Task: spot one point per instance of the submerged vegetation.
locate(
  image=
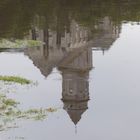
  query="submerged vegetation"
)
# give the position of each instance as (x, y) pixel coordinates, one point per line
(10, 112)
(4, 43)
(15, 79)
(9, 109)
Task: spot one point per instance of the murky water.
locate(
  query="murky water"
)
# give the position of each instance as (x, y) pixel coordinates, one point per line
(87, 68)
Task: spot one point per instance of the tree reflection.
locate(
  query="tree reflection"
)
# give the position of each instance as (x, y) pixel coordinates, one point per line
(18, 17)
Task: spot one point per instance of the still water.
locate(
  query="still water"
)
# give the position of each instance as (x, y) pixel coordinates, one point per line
(87, 68)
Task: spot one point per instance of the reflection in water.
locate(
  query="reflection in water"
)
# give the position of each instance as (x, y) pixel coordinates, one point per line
(71, 43)
(75, 74)
(70, 31)
(56, 15)
(73, 57)
(75, 66)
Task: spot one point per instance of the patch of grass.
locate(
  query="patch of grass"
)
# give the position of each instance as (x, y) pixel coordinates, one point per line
(15, 79)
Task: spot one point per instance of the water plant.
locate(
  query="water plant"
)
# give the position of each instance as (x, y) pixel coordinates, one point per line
(9, 109)
(15, 79)
(4, 43)
(10, 112)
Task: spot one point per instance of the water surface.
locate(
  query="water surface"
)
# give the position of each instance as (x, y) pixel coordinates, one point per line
(88, 68)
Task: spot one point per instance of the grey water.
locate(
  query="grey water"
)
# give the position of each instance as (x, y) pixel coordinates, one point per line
(87, 68)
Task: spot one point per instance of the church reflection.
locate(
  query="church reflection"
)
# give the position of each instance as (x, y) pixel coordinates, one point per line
(72, 56)
(75, 86)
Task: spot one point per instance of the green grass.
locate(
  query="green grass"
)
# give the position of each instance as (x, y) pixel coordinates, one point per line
(15, 79)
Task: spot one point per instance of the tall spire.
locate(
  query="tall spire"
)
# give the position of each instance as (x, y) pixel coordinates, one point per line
(76, 129)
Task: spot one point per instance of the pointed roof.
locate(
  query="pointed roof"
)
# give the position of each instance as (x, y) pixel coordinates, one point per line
(75, 109)
(75, 115)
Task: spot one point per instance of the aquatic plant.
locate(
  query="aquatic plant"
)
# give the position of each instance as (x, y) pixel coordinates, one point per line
(10, 112)
(9, 109)
(4, 43)
(15, 79)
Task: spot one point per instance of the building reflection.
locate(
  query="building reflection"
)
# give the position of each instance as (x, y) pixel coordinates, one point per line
(71, 52)
(75, 86)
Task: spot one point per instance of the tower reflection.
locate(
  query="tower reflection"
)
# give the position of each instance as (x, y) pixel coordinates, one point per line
(75, 86)
(73, 57)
